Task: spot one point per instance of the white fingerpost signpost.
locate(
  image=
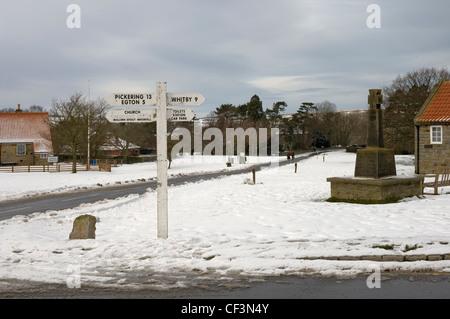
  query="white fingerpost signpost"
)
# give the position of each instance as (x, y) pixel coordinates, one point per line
(161, 99)
(161, 159)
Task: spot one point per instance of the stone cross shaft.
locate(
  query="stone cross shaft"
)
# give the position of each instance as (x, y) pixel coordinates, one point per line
(375, 119)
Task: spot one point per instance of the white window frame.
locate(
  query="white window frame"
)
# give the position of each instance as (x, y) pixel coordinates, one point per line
(24, 149)
(436, 139)
(43, 155)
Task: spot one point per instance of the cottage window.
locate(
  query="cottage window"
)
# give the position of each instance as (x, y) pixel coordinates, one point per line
(436, 135)
(21, 149)
(43, 156)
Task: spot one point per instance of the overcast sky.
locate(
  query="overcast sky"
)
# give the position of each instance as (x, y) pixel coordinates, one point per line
(284, 50)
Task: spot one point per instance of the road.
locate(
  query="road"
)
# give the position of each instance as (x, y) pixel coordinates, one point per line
(199, 287)
(26, 206)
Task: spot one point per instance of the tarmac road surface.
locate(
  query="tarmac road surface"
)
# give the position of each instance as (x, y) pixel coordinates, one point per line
(212, 287)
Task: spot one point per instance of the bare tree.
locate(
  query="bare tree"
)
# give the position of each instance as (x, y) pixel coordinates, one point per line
(403, 99)
(36, 108)
(69, 124)
(328, 121)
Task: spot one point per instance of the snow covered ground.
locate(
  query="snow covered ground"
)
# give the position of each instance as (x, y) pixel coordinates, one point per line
(19, 185)
(223, 225)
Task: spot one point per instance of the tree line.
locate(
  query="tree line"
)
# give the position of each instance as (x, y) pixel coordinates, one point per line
(313, 125)
(320, 125)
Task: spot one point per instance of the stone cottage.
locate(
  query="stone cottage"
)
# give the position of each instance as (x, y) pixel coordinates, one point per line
(25, 138)
(432, 134)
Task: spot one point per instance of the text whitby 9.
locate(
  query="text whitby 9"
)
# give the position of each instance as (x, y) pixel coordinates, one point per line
(231, 308)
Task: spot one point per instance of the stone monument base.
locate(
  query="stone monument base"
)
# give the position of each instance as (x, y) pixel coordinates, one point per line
(375, 162)
(374, 190)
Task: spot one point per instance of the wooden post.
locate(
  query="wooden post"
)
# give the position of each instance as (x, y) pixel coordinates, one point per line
(295, 167)
(254, 176)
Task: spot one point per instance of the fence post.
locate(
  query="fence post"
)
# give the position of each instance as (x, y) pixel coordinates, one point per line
(295, 167)
(254, 176)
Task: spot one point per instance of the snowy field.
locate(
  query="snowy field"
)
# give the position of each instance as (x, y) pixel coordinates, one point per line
(223, 225)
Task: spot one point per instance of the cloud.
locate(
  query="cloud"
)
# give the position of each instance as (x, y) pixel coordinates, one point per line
(296, 51)
(280, 84)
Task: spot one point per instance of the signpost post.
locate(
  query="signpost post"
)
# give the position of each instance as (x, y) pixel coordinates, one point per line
(161, 160)
(161, 114)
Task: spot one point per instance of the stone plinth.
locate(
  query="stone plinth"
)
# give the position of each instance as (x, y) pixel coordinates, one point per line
(380, 190)
(375, 162)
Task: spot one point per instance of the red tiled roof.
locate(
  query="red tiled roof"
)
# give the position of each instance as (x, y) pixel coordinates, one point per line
(437, 107)
(26, 127)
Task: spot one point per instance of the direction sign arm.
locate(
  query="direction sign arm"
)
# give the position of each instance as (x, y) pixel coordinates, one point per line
(181, 99)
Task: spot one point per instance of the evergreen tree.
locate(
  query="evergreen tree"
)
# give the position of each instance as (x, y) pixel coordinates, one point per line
(273, 115)
(255, 109)
(304, 112)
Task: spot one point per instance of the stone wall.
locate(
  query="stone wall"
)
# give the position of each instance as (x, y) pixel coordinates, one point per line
(40, 161)
(9, 155)
(430, 156)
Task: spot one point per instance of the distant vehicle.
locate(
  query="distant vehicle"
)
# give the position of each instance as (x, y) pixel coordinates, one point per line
(353, 148)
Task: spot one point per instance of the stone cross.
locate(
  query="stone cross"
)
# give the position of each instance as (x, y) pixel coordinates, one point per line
(375, 161)
(375, 119)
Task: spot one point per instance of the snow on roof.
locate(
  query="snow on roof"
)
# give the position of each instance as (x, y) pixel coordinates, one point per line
(26, 127)
(113, 144)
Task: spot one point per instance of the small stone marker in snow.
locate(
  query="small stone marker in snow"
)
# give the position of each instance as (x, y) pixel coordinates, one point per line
(83, 227)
